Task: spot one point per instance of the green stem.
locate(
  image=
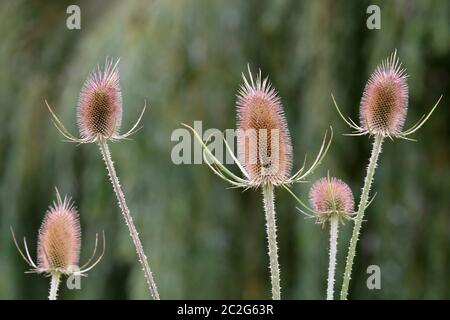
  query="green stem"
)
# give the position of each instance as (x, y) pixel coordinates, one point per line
(334, 229)
(54, 285)
(376, 150)
(269, 208)
(128, 219)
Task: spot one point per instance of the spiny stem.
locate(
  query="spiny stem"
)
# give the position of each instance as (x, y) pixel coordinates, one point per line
(376, 150)
(54, 285)
(334, 229)
(128, 219)
(269, 208)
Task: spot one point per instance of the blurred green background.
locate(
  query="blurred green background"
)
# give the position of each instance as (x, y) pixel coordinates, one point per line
(185, 58)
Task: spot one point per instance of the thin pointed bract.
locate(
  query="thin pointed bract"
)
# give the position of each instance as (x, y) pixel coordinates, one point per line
(86, 267)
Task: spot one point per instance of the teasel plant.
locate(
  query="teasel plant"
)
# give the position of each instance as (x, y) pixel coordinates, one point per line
(264, 155)
(99, 117)
(382, 114)
(331, 202)
(59, 243)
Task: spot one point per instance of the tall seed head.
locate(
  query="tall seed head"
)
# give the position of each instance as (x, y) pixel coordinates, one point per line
(99, 110)
(264, 143)
(59, 237)
(331, 196)
(384, 102)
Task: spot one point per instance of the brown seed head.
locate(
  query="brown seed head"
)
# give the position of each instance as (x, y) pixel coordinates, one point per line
(59, 237)
(384, 102)
(100, 104)
(264, 144)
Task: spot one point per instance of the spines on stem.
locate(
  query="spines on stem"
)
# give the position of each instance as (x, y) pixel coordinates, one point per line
(376, 151)
(334, 229)
(55, 279)
(104, 149)
(271, 228)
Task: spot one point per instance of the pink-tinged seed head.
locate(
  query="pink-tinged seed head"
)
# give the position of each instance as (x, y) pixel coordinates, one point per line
(264, 143)
(331, 196)
(59, 238)
(100, 103)
(384, 103)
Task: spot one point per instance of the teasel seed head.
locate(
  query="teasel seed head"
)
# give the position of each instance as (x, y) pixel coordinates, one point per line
(384, 102)
(99, 112)
(331, 197)
(264, 143)
(59, 238)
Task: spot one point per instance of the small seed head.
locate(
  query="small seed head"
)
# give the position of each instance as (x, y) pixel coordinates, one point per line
(331, 197)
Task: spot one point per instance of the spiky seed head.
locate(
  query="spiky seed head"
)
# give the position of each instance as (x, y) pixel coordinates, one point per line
(59, 238)
(264, 143)
(384, 103)
(99, 110)
(331, 196)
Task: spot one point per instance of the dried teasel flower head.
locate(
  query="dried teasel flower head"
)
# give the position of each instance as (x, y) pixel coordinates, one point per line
(264, 155)
(59, 237)
(264, 143)
(99, 110)
(331, 197)
(384, 103)
(59, 242)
